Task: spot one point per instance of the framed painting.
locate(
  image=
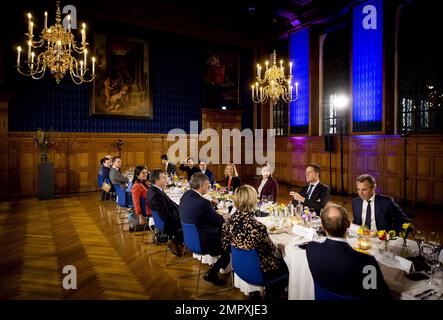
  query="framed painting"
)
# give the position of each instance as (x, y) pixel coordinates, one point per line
(121, 87)
(221, 77)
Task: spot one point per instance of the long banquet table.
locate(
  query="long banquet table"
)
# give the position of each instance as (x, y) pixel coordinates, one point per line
(301, 286)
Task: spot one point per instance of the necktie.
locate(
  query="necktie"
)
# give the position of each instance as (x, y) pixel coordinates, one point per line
(368, 215)
(309, 191)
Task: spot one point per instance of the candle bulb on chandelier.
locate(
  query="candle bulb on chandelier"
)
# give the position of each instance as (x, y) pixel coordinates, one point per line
(32, 60)
(296, 89)
(267, 64)
(86, 53)
(69, 23)
(256, 88)
(29, 50)
(93, 65)
(81, 67)
(19, 51)
(46, 20)
(29, 22)
(31, 27)
(261, 93)
(258, 69)
(252, 91)
(290, 68)
(281, 64)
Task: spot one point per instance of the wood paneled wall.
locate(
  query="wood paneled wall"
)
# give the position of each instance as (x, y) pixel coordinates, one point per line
(77, 156)
(382, 156)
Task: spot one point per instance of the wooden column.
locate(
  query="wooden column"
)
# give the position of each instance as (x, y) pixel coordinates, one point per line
(4, 147)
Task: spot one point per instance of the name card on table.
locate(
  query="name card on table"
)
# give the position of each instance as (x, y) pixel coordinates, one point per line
(392, 260)
(307, 233)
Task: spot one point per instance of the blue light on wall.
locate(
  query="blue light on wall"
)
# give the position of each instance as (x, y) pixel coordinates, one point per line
(299, 55)
(367, 66)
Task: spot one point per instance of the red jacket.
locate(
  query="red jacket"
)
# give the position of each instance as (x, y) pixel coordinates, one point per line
(139, 190)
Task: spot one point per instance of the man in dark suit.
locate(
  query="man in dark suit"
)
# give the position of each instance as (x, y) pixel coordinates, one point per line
(189, 167)
(195, 209)
(170, 168)
(204, 169)
(315, 194)
(167, 209)
(376, 211)
(337, 267)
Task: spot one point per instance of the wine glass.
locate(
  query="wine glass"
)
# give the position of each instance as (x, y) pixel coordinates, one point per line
(430, 253)
(420, 236)
(434, 239)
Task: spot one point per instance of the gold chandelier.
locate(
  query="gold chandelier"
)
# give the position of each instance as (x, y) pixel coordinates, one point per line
(60, 46)
(274, 85)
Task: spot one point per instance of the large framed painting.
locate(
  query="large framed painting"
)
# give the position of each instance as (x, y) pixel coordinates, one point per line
(221, 77)
(121, 87)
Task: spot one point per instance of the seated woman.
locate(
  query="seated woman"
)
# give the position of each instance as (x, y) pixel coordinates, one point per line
(267, 187)
(243, 231)
(140, 186)
(232, 181)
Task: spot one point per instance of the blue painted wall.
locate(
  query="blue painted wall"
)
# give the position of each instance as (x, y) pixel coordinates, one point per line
(176, 69)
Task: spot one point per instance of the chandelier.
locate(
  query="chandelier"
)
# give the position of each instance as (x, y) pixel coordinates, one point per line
(59, 48)
(274, 85)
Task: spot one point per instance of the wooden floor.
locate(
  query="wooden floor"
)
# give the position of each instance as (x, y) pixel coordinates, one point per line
(39, 238)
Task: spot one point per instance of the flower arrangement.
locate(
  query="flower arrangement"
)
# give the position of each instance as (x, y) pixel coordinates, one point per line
(406, 228)
(364, 231)
(307, 216)
(43, 141)
(386, 237)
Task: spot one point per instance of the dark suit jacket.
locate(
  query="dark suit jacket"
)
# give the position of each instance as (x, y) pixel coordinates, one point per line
(189, 171)
(337, 267)
(194, 209)
(235, 182)
(171, 169)
(269, 189)
(210, 176)
(388, 215)
(320, 196)
(166, 208)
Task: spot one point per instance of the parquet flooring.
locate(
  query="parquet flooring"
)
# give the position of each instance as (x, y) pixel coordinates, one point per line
(39, 238)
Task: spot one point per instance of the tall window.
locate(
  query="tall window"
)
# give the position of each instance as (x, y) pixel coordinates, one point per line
(420, 65)
(280, 118)
(336, 73)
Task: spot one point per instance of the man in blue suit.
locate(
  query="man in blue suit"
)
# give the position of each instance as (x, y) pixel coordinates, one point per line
(376, 211)
(195, 209)
(204, 169)
(336, 267)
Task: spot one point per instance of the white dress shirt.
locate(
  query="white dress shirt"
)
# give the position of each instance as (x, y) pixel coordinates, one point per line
(363, 212)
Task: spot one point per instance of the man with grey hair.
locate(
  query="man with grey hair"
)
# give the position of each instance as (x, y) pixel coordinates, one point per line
(336, 267)
(195, 209)
(376, 211)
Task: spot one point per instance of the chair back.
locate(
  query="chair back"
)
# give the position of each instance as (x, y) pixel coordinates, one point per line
(192, 239)
(158, 221)
(324, 294)
(143, 206)
(121, 196)
(99, 180)
(246, 264)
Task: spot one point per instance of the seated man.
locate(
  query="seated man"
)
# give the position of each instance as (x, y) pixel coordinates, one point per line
(189, 167)
(116, 176)
(376, 211)
(337, 267)
(194, 209)
(204, 169)
(170, 168)
(314, 195)
(167, 209)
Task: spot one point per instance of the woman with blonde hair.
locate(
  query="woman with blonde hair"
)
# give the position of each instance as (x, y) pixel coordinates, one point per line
(267, 186)
(243, 231)
(232, 181)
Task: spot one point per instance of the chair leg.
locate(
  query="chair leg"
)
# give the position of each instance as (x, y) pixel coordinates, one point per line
(198, 279)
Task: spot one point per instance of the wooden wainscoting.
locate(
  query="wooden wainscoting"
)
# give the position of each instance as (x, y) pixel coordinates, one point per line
(76, 158)
(379, 155)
